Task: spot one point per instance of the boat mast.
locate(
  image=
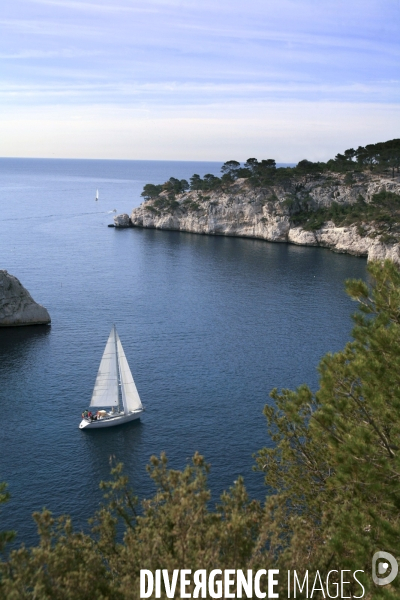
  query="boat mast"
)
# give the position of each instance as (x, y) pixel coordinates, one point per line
(116, 360)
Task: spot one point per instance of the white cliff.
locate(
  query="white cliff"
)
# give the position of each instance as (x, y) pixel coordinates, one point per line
(17, 307)
(243, 211)
(122, 220)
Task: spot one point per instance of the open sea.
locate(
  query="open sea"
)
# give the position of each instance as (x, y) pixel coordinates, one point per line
(209, 326)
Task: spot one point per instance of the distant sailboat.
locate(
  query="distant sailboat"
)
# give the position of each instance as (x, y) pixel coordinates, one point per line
(114, 375)
(97, 195)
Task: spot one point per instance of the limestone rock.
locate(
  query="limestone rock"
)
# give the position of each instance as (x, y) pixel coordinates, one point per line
(122, 220)
(17, 307)
(243, 211)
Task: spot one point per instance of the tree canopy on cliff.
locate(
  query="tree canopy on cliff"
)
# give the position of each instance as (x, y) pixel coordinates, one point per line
(380, 157)
(333, 480)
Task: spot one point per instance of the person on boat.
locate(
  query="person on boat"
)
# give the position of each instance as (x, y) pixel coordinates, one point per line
(85, 414)
(90, 415)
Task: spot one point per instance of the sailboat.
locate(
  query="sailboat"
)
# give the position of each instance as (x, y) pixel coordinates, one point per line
(114, 389)
(97, 194)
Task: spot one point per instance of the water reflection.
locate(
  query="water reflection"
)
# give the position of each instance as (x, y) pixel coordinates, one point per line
(19, 348)
(15, 340)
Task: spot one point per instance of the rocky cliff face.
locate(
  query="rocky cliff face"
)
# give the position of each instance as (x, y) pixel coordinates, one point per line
(241, 210)
(17, 307)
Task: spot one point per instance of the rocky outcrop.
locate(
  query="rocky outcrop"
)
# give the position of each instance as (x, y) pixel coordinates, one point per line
(17, 307)
(345, 240)
(122, 220)
(244, 211)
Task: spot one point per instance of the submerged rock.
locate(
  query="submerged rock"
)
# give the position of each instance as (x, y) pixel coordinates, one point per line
(17, 307)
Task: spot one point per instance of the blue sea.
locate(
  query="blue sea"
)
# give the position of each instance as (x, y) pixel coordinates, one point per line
(209, 326)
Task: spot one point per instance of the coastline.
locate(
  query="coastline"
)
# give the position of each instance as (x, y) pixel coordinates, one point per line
(265, 213)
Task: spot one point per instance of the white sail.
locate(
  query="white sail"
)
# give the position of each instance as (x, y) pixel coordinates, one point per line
(130, 396)
(97, 194)
(105, 392)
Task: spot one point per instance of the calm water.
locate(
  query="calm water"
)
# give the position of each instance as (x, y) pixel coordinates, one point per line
(209, 325)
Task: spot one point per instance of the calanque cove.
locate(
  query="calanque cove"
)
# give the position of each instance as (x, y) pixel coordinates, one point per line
(351, 204)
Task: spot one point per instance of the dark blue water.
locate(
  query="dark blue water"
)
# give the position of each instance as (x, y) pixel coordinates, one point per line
(209, 325)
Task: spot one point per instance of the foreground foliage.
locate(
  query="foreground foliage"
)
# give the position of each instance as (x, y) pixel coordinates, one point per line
(333, 481)
(336, 464)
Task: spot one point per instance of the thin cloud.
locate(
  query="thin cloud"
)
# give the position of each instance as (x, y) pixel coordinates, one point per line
(47, 28)
(29, 54)
(95, 6)
(293, 38)
(159, 93)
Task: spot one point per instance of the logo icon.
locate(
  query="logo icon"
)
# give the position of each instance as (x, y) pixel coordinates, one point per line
(383, 568)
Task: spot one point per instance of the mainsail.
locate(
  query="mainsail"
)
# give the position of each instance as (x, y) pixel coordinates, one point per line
(105, 392)
(130, 396)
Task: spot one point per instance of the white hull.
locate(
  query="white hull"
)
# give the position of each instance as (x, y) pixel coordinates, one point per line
(110, 420)
(114, 383)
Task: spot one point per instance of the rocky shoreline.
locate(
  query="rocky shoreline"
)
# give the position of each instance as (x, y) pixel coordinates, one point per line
(267, 213)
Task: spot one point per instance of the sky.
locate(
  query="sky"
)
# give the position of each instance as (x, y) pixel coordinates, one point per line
(197, 79)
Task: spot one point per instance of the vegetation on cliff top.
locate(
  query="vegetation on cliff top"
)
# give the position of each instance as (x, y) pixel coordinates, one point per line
(379, 158)
(377, 218)
(333, 479)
